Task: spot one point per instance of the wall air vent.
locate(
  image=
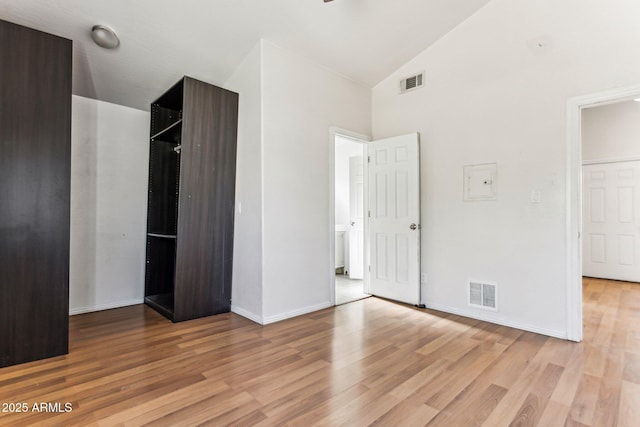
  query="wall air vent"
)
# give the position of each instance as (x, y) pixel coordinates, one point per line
(483, 295)
(413, 82)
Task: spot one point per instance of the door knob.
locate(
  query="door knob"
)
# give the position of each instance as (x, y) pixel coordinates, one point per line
(353, 223)
(413, 226)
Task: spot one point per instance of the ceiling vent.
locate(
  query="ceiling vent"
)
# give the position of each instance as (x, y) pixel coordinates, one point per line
(412, 82)
(483, 295)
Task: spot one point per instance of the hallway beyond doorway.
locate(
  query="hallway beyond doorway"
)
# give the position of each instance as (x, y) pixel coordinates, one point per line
(348, 290)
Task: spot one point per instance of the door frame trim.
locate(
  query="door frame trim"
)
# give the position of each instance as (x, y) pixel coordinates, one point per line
(573, 226)
(610, 160)
(363, 139)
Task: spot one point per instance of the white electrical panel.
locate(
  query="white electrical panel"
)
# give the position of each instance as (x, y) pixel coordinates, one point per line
(480, 182)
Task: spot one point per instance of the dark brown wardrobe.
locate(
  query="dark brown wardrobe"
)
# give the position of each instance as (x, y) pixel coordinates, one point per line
(191, 201)
(35, 160)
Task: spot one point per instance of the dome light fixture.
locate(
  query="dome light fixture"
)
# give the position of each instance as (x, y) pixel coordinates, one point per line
(104, 37)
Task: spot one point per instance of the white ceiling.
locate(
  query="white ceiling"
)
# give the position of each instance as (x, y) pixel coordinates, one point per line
(161, 40)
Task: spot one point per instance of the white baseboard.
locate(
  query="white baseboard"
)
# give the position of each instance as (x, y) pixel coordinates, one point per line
(100, 307)
(246, 313)
(492, 318)
(295, 313)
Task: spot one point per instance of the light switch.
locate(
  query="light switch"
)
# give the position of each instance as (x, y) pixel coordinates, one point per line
(535, 196)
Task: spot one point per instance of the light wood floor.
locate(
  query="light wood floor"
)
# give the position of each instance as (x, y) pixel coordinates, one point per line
(371, 362)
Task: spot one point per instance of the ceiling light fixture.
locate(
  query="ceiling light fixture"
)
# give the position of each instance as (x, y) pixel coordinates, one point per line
(104, 37)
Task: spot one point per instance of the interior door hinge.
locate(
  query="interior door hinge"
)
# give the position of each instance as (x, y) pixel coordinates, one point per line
(369, 214)
(368, 159)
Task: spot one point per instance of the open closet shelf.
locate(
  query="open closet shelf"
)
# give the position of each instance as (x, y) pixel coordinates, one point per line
(162, 235)
(170, 134)
(163, 303)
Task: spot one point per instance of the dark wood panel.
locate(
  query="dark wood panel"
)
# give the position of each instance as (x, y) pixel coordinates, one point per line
(207, 199)
(164, 169)
(35, 132)
(160, 271)
(172, 98)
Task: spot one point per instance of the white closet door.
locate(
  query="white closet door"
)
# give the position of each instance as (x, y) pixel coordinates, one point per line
(611, 226)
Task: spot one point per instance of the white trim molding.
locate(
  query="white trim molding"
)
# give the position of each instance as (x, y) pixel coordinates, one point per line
(278, 317)
(247, 314)
(574, 198)
(610, 160)
(358, 137)
(296, 313)
(492, 318)
(101, 307)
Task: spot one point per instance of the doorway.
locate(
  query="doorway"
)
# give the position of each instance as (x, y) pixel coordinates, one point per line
(586, 200)
(349, 197)
(611, 191)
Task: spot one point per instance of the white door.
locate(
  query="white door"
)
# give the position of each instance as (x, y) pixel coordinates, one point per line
(610, 224)
(356, 218)
(394, 224)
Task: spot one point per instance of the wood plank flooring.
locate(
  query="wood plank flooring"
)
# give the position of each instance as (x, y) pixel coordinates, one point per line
(371, 362)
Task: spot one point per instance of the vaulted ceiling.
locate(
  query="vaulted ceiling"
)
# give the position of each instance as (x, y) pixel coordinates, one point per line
(163, 40)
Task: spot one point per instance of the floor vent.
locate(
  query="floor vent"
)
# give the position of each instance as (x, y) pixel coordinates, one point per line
(412, 82)
(483, 295)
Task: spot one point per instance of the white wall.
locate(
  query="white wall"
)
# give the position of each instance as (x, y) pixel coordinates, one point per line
(611, 131)
(301, 101)
(492, 94)
(281, 243)
(246, 289)
(109, 164)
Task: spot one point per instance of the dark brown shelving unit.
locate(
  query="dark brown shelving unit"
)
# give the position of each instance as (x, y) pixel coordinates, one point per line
(35, 177)
(192, 168)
